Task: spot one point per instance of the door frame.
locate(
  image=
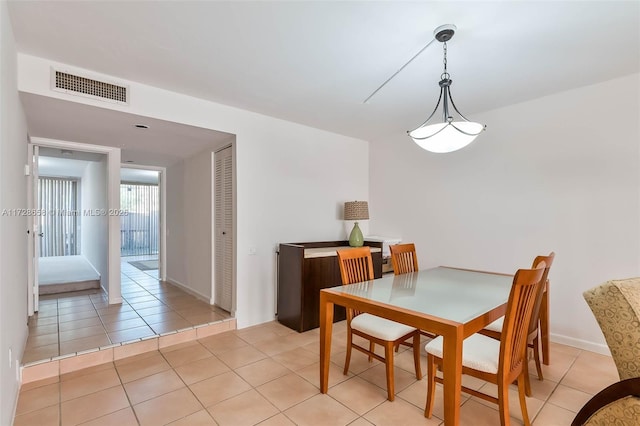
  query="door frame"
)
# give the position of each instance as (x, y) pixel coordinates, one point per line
(33, 248)
(113, 204)
(162, 188)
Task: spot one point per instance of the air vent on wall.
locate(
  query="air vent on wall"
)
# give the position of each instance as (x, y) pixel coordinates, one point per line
(75, 84)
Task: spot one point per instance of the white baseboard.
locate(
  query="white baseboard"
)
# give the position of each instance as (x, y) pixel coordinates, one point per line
(189, 290)
(15, 402)
(580, 344)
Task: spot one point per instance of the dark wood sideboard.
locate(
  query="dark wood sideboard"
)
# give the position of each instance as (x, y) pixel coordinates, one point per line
(303, 270)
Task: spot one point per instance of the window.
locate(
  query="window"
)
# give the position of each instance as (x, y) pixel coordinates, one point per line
(58, 212)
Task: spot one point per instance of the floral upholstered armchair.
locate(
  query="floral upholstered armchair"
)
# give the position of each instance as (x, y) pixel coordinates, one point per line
(616, 306)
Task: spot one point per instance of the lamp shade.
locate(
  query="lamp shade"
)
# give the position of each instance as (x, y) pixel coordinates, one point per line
(446, 137)
(356, 210)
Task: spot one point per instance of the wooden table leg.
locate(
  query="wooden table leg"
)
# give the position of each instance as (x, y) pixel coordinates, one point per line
(452, 375)
(544, 326)
(326, 327)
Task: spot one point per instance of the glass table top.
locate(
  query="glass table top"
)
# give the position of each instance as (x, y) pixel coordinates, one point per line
(452, 294)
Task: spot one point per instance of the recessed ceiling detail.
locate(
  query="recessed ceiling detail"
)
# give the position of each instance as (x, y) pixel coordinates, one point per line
(102, 90)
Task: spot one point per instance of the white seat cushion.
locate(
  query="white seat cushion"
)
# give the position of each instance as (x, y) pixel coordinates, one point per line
(496, 325)
(478, 352)
(380, 327)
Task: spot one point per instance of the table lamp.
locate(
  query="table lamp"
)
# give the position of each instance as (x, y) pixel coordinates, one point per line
(356, 210)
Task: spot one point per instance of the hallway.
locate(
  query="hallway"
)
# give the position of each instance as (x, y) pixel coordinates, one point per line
(75, 322)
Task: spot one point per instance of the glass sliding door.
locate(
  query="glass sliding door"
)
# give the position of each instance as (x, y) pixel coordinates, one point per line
(140, 225)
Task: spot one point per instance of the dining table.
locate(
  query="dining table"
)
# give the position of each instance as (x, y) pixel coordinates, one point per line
(451, 302)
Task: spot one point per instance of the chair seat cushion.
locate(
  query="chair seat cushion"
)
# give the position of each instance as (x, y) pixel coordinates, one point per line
(496, 325)
(380, 328)
(623, 412)
(478, 352)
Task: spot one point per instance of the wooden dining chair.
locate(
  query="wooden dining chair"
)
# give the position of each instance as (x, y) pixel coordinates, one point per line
(533, 338)
(403, 258)
(356, 265)
(498, 362)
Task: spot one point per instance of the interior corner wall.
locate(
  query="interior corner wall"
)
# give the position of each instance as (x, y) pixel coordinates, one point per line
(13, 228)
(292, 182)
(558, 173)
(94, 230)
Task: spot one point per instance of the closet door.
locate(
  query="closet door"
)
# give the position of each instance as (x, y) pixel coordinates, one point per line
(223, 219)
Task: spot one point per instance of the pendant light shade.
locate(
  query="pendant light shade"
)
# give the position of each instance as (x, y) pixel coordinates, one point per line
(447, 135)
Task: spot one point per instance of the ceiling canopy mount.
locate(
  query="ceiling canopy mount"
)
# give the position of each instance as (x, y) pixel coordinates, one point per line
(444, 33)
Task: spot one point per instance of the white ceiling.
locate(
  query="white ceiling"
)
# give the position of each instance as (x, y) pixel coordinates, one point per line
(162, 144)
(315, 62)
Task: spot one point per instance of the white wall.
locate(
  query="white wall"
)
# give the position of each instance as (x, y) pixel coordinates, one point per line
(199, 219)
(94, 229)
(291, 180)
(556, 173)
(175, 214)
(292, 184)
(189, 222)
(13, 244)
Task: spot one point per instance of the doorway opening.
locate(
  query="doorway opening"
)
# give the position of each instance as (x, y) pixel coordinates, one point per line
(141, 233)
(70, 196)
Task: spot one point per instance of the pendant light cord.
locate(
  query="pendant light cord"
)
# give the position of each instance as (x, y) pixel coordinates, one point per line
(398, 72)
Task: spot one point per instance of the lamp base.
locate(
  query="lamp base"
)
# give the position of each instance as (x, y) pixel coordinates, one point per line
(356, 239)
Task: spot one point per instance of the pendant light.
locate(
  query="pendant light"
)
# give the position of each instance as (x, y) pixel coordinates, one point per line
(447, 135)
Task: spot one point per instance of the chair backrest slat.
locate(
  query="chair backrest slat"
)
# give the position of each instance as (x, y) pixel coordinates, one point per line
(356, 265)
(535, 315)
(513, 343)
(404, 258)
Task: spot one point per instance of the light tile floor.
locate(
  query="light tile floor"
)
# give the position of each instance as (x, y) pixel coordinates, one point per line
(268, 375)
(78, 321)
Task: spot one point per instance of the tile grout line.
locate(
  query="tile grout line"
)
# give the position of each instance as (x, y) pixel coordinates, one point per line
(544, 401)
(558, 385)
(186, 385)
(125, 392)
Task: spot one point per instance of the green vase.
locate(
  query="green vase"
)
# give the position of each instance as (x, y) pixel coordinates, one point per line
(356, 239)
